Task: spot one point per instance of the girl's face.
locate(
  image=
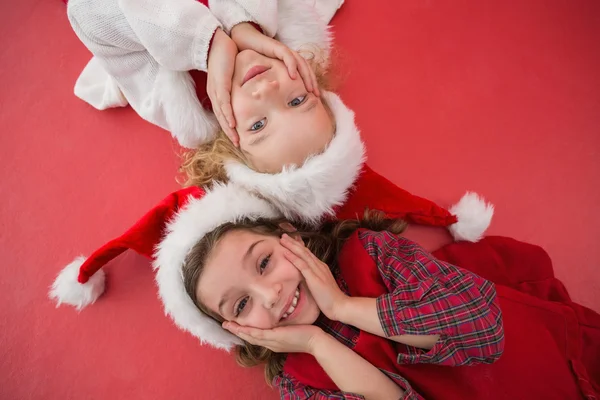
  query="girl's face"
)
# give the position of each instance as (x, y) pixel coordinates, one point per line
(248, 280)
(278, 121)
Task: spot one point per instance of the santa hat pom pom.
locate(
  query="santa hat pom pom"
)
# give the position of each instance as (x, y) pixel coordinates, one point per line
(67, 289)
(474, 215)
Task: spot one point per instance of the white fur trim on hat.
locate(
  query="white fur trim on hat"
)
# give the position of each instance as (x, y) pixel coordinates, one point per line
(67, 290)
(311, 191)
(474, 216)
(183, 115)
(224, 203)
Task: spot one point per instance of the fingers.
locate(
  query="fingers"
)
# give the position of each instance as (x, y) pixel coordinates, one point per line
(302, 259)
(259, 337)
(227, 110)
(230, 132)
(286, 55)
(307, 74)
(224, 113)
(296, 64)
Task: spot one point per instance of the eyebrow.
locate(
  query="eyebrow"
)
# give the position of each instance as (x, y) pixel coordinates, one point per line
(313, 103)
(246, 255)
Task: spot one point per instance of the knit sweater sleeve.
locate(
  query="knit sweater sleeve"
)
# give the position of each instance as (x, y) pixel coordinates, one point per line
(177, 33)
(232, 12)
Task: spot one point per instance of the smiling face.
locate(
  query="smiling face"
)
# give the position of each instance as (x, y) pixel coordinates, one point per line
(278, 121)
(247, 279)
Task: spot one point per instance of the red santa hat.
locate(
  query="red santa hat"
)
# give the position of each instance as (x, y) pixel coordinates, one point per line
(166, 234)
(338, 183)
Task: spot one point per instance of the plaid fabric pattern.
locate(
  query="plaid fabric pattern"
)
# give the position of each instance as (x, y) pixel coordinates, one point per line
(426, 296)
(291, 389)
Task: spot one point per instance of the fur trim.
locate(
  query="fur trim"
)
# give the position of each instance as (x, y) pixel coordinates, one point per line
(474, 216)
(224, 203)
(311, 191)
(184, 116)
(301, 27)
(328, 8)
(97, 88)
(67, 289)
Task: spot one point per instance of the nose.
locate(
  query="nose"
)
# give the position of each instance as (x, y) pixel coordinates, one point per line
(269, 293)
(264, 88)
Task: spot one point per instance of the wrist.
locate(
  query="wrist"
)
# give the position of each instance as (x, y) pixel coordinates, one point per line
(343, 312)
(318, 342)
(215, 41)
(241, 28)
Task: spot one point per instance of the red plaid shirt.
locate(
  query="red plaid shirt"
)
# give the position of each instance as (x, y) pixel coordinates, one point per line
(425, 296)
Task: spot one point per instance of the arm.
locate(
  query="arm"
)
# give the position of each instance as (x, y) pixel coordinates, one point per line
(356, 378)
(429, 304)
(352, 373)
(362, 313)
(177, 33)
(430, 297)
(295, 23)
(161, 96)
(232, 12)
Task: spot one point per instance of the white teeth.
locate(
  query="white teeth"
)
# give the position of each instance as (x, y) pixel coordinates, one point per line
(292, 307)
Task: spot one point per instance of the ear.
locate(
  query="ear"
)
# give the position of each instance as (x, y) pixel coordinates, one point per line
(290, 229)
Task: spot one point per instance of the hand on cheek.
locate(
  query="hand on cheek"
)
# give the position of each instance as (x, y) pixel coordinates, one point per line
(319, 279)
(221, 61)
(285, 339)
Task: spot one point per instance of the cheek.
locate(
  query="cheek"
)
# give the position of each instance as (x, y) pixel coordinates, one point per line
(241, 105)
(258, 318)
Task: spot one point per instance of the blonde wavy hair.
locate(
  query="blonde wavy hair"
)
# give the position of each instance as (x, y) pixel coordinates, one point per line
(325, 243)
(205, 164)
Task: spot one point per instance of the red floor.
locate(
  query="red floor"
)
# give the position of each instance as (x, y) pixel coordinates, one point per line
(498, 97)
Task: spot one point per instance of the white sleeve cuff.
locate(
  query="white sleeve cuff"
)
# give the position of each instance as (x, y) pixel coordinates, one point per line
(201, 46)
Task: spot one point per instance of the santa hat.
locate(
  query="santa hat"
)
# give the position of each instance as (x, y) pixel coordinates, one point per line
(338, 183)
(166, 234)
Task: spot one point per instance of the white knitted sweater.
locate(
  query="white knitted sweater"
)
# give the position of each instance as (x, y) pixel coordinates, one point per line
(142, 50)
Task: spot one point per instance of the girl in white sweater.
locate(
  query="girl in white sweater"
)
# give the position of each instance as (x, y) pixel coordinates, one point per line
(143, 49)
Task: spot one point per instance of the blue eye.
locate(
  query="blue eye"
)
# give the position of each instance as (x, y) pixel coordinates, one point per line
(241, 306)
(257, 126)
(297, 101)
(264, 263)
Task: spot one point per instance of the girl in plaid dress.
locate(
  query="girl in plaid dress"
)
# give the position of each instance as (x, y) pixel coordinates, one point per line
(356, 311)
(280, 296)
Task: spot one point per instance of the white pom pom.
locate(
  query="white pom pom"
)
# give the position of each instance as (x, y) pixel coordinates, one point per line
(474, 215)
(66, 289)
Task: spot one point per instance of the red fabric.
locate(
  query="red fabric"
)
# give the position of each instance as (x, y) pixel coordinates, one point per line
(551, 346)
(143, 236)
(378, 193)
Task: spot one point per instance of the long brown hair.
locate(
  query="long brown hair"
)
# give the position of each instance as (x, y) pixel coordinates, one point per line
(205, 164)
(325, 243)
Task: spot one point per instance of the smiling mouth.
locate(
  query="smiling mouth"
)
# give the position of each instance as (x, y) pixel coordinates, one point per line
(293, 305)
(254, 72)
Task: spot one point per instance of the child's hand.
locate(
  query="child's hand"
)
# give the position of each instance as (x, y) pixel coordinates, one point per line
(319, 279)
(283, 339)
(247, 37)
(221, 62)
